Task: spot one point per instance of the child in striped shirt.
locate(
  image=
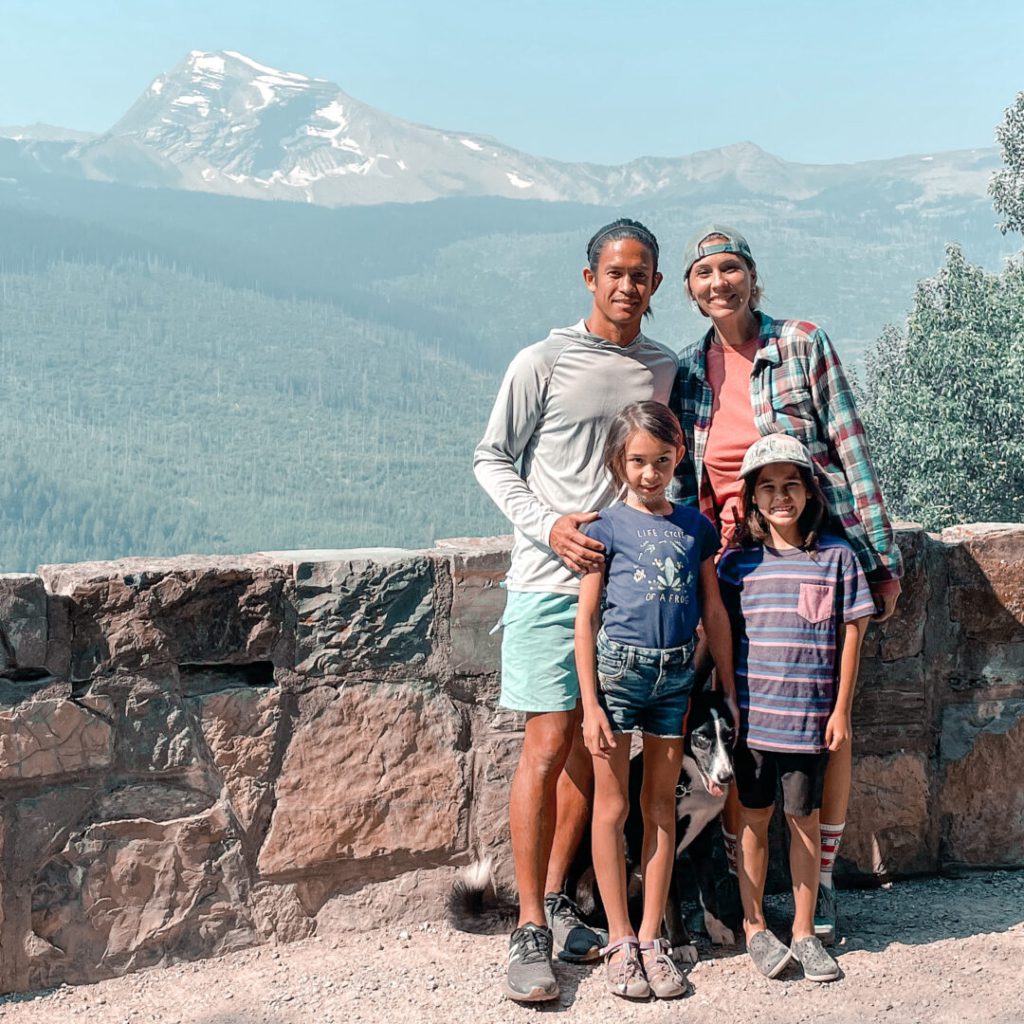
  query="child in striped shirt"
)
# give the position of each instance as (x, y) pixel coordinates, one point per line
(799, 604)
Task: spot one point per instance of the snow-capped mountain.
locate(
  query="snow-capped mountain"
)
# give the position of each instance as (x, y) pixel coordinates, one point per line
(223, 122)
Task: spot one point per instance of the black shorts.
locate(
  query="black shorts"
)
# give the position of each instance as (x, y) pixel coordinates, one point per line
(758, 773)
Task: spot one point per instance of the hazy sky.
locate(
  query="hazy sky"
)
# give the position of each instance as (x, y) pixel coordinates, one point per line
(603, 80)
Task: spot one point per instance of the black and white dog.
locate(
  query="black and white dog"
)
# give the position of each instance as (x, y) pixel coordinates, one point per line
(703, 786)
(707, 771)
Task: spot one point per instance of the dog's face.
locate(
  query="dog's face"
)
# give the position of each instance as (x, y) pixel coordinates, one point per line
(709, 741)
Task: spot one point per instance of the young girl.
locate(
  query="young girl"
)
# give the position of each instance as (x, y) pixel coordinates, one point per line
(799, 604)
(636, 674)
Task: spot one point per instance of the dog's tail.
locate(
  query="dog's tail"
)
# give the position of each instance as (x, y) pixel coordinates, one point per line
(476, 903)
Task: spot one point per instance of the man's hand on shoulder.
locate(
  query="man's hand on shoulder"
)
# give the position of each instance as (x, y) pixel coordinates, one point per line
(579, 552)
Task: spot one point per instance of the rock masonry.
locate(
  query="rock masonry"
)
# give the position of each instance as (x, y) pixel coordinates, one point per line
(200, 754)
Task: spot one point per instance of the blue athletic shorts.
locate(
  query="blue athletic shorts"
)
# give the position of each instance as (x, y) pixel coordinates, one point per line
(538, 659)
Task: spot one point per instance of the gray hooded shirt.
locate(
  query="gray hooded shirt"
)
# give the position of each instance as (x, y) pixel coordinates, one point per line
(541, 455)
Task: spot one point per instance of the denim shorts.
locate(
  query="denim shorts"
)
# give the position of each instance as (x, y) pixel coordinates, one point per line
(644, 688)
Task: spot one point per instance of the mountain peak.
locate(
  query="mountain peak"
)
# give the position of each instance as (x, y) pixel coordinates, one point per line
(221, 121)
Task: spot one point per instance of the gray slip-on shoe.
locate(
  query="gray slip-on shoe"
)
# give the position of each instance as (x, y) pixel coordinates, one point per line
(817, 964)
(530, 978)
(769, 955)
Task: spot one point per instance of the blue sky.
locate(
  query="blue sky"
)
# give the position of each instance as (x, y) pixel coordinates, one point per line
(599, 80)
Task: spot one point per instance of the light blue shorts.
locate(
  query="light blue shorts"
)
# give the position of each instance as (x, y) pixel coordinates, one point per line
(538, 660)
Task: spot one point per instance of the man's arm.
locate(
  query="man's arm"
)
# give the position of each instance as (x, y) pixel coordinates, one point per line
(513, 420)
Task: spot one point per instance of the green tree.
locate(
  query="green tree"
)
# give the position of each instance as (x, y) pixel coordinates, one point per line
(944, 402)
(1007, 185)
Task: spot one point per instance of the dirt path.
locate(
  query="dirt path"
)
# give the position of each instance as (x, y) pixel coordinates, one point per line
(937, 951)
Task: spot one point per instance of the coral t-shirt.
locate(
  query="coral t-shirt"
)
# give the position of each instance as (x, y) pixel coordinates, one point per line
(732, 429)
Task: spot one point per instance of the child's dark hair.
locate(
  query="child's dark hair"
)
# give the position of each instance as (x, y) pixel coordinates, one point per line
(753, 528)
(653, 418)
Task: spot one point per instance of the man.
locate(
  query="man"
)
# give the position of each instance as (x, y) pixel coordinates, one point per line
(540, 461)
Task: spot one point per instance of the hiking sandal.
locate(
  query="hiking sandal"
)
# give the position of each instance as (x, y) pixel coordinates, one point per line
(626, 976)
(663, 976)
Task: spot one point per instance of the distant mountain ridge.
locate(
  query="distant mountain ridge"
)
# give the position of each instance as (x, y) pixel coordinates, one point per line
(227, 124)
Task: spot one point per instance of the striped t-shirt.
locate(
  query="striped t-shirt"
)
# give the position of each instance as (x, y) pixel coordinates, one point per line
(785, 607)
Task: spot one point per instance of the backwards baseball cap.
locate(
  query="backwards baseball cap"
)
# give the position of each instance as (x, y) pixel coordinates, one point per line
(773, 448)
(697, 248)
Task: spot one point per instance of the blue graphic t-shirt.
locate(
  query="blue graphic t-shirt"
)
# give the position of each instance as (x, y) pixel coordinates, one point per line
(652, 564)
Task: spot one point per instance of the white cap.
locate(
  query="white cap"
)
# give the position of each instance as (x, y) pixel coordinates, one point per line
(773, 448)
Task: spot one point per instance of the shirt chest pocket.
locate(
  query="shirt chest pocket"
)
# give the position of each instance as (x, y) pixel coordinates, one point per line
(816, 602)
(793, 408)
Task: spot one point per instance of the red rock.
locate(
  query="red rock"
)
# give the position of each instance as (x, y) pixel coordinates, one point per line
(364, 615)
(44, 738)
(477, 603)
(377, 773)
(23, 622)
(127, 894)
(986, 580)
(241, 728)
(981, 800)
(888, 824)
(137, 613)
(902, 636)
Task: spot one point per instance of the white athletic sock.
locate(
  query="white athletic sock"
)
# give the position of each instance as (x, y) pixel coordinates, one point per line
(831, 837)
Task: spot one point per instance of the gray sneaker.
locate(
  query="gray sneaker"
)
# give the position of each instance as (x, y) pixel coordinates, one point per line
(826, 915)
(530, 978)
(577, 942)
(817, 964)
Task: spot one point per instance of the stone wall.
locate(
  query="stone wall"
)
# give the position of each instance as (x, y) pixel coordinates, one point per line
(200, 754)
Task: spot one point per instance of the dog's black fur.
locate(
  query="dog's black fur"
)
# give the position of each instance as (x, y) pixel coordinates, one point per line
(473, 904)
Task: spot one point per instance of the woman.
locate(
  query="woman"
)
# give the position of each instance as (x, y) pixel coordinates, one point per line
(752, 375)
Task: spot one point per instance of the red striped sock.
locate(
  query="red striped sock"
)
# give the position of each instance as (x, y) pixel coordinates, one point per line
(831, 837)
(729, 840)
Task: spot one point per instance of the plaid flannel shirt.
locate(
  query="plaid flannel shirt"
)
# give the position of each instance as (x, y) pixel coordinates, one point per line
(797, 385)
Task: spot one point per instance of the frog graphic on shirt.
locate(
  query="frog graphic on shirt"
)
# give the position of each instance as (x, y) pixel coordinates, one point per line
(669, 577)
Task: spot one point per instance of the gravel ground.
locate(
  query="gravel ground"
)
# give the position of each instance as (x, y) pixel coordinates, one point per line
(935, 951)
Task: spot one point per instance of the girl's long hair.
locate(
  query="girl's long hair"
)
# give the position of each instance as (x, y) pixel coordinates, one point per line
(753, 528)
(656, 419)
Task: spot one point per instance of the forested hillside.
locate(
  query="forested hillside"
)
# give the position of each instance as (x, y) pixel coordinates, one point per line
(145, 410)
(188, 372)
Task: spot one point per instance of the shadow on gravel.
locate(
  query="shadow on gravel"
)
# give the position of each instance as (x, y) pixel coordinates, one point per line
(909, 913)
(918, 913)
